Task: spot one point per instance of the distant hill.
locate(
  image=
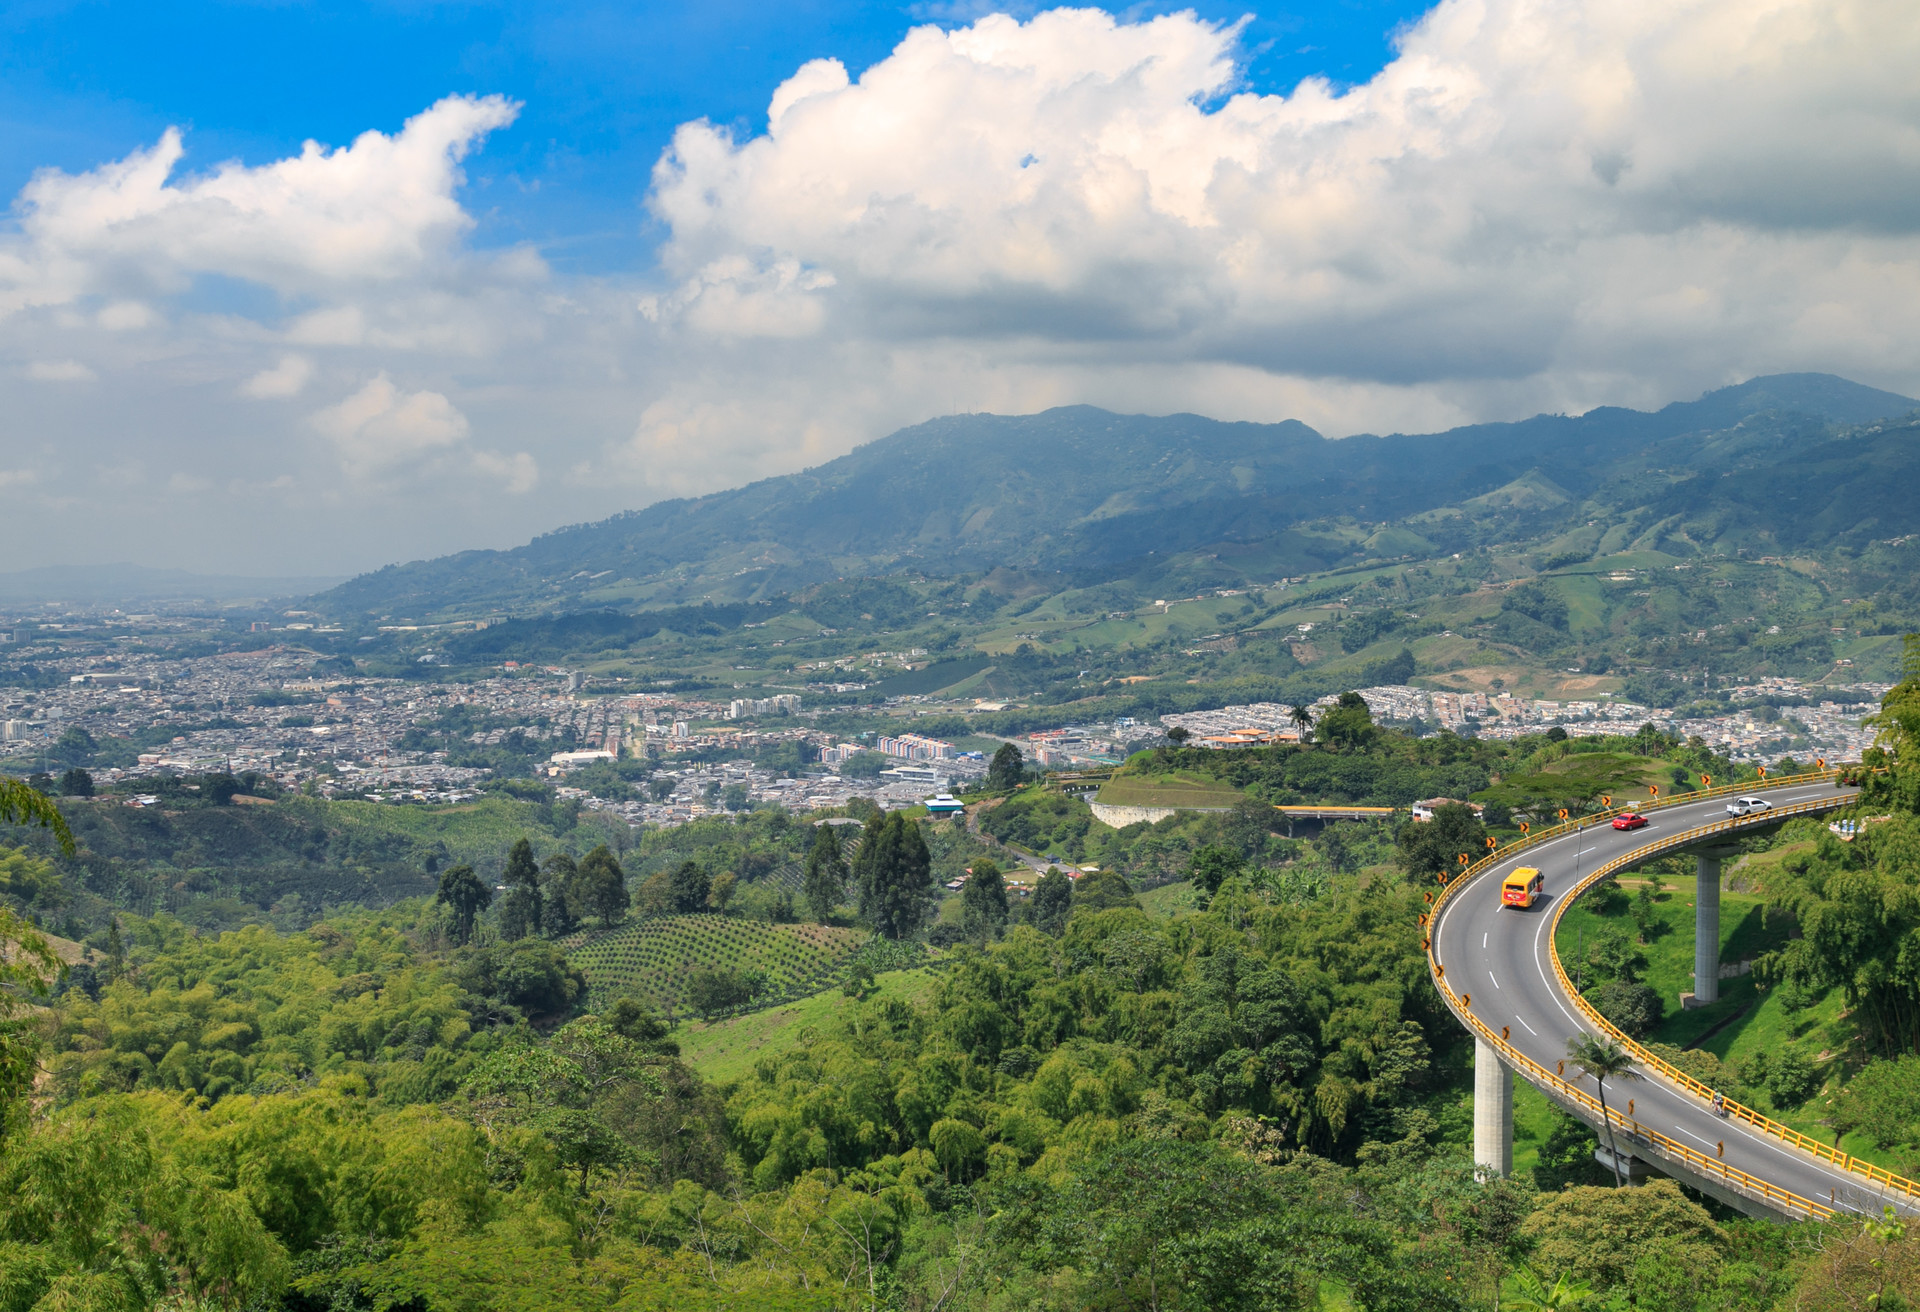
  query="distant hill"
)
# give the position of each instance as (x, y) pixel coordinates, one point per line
(1081, 489)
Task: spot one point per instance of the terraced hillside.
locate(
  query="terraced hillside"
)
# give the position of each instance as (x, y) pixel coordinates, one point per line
(654, 958)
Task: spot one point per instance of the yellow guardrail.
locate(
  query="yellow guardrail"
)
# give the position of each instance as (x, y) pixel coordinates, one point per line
(1826, 1152)
(1625, 1127)
(1847, 1162)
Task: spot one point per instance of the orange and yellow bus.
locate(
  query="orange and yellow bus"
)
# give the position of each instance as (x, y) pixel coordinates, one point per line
(1520, 888)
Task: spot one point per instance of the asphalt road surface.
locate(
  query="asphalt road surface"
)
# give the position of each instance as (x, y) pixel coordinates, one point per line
(1500, 957)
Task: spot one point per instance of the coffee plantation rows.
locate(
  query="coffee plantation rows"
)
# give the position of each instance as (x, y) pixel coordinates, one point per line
(653, 959)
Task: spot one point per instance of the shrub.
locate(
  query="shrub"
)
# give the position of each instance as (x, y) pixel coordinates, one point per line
(1635, 1008)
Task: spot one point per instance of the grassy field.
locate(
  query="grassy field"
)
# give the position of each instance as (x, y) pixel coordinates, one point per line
(654, 958)
(1178, 789)
(1169, 901)
(727, 1049)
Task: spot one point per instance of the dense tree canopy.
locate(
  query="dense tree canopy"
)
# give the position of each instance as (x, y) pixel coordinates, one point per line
(1257, 1104)
(1858, 903)
(1251, 1107)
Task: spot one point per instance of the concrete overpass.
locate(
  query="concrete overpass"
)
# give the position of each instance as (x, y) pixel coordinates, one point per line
(1497, 970)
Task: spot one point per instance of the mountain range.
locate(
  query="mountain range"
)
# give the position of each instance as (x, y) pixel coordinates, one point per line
(1788, 461)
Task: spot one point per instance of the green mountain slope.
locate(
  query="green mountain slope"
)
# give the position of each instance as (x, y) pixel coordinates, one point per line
(1081, 489)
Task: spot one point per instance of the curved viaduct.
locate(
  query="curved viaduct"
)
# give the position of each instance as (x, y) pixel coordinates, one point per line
(1497, 970)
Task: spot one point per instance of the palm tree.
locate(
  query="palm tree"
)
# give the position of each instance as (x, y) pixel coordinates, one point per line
(21, 805)
(1604, 1060)
(1302, 717)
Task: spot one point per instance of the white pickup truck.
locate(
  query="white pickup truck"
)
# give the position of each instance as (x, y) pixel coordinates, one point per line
(1748, 806)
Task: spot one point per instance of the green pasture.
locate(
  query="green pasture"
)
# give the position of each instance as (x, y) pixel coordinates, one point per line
(1180, 788)
(727, 1049)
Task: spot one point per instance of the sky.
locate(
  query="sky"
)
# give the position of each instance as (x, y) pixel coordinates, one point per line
(303, 288)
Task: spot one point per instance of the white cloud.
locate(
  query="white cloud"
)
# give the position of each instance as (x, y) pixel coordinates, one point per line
(60, 371)
(372, 212)
(518, 473)
(380, 426)
(1510, 200)
(1535, 206)
(127, 316)
(288, 378)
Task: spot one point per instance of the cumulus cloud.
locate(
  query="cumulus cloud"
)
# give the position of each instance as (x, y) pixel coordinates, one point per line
(1530, 191)
(126, 316)
(374, 211)
(380, 426)
(517, 473)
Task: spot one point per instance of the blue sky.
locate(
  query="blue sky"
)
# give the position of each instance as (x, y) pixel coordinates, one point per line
(603, 85)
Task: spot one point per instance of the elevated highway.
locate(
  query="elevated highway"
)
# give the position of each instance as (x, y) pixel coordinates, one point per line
(1497, 970)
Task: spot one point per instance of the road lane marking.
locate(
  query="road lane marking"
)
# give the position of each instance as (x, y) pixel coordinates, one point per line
(1552, 992)
(1483, 940)
(1496, 983)
(1747, 1136)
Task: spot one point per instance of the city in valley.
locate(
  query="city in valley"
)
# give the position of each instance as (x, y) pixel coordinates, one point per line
(287, 714)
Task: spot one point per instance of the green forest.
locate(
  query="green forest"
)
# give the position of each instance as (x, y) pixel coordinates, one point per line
(1247, 1097)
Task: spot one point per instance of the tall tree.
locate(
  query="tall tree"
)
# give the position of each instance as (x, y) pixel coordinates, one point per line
(1302, 717)
(826, 876)
(1007, 770)
(520, 912)
(465, 896)
(1605, 1060)
(1337, 850)
(1052, 902)
(895, 874)
(603, 885)
(983, 901)
(563, 906)
(1348, 723)
(688, 887)
(1212, 866)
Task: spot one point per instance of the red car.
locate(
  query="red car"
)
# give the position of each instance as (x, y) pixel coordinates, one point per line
(1629, 820)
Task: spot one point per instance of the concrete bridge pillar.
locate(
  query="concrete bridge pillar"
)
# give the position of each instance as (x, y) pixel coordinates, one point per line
(1492, 1112)
(1706, 926)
